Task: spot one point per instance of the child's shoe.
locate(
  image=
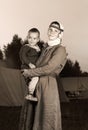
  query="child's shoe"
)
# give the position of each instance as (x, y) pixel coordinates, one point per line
(31, 98)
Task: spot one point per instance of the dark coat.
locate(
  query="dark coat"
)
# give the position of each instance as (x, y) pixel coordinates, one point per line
(28, 55)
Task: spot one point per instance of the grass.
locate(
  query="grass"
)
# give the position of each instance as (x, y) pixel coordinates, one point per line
(74, 116)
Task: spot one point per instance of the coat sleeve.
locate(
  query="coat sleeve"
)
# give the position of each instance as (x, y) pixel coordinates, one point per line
(23, 54)
(57, 62)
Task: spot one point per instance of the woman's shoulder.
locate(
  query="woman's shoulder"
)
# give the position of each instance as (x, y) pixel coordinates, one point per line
(60, 47)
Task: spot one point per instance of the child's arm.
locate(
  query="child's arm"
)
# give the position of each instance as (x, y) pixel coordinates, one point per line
(32, 84)
(23, 54)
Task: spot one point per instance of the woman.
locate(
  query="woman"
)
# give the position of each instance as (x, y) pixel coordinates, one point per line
(46, 114)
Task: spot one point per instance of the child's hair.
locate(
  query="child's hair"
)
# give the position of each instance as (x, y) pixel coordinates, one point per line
(56, 25)
(35, 30)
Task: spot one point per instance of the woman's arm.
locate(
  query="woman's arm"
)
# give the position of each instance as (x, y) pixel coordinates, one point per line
(57, 62)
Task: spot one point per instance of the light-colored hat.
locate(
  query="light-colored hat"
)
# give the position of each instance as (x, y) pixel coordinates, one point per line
(57, 25)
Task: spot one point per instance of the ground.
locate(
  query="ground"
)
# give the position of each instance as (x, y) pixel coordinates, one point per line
(74, 116)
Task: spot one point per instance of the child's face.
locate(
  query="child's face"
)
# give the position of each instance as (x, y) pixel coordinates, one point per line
(53, 33)
(33, 38)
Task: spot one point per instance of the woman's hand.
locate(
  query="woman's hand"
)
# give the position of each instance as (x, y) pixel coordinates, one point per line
(31, 65)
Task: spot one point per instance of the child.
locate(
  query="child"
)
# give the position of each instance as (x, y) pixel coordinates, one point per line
(29, 54)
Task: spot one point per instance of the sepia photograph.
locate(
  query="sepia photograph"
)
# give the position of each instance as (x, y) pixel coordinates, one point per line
(43, 65)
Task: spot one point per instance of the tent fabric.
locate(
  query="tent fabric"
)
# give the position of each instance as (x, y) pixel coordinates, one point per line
(75, 83)
(77, 86)
(63, 96)
(12, 87)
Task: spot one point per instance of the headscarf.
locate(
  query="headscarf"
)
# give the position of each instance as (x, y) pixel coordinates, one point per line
(57, 41)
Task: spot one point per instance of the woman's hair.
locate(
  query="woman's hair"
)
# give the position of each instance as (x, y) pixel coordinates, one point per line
(57, 25)
(35, 30)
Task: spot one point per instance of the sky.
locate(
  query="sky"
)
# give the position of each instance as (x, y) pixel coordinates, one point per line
(18, 16)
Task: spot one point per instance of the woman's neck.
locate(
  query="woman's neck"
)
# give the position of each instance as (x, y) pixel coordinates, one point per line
(54, 42)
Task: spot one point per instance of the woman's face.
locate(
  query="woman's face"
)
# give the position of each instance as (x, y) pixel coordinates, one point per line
(53, 33)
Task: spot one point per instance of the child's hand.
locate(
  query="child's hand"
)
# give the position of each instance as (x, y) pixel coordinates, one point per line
(31, 65)
(25, 72)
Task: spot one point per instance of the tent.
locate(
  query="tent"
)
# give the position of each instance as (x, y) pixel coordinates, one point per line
(12, 88)
(75, 83)
(77, 86)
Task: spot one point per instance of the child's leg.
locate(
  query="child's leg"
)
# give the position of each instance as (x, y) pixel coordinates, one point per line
(32, 84)
(31, 87)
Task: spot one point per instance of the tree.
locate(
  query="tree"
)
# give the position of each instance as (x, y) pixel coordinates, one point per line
(77, 69)
(1, 55)
(71, 69)
(84, 74)
(68, 69)
(12, 52)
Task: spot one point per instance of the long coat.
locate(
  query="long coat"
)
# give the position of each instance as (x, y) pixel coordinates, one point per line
(46, 114)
